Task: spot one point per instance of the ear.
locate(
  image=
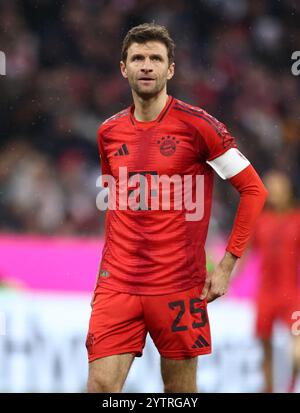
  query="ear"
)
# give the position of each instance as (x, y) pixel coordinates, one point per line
(123, 69)
(171, 71)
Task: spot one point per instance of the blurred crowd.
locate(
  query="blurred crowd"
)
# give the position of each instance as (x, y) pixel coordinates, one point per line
(233, 58)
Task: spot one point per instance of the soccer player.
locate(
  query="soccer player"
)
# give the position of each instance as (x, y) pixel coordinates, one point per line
(277, 240)
(152, 276)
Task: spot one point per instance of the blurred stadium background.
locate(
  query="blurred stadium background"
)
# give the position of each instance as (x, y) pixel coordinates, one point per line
(62, 80)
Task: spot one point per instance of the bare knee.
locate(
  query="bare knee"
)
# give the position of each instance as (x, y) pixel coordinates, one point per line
(179, 376)
(108, 374)
(98, 383)
(178, 386)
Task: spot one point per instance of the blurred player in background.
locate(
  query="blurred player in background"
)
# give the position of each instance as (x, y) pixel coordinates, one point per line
(277, 239)
(152, 276)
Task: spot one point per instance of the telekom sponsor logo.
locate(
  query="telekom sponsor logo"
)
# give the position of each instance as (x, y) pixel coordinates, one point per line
(147, 190)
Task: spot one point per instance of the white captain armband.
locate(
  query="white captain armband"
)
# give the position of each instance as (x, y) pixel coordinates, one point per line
(229, 164)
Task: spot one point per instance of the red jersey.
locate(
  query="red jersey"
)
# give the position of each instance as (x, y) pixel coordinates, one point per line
(159, 251)
(277, 239)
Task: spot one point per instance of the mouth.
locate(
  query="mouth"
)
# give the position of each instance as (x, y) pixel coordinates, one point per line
(146, 79)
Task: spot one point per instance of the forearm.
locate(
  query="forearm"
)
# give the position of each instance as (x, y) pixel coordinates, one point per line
(228, 262)
(252, 198)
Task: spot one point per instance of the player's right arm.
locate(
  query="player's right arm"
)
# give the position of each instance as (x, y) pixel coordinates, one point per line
(105, 170)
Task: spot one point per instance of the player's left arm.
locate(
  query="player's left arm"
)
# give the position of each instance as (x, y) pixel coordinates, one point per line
(234, 167)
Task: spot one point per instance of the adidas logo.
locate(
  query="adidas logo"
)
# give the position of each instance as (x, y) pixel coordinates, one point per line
(200, 342)
(122, 151)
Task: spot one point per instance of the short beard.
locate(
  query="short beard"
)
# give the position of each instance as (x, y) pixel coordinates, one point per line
(147, 95)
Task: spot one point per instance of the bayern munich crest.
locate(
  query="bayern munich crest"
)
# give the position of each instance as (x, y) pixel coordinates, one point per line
(167, 145)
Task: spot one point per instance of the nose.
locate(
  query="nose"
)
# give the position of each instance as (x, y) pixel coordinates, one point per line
(147, 65)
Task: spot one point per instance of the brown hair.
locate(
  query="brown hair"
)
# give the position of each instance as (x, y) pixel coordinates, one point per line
(148, 32)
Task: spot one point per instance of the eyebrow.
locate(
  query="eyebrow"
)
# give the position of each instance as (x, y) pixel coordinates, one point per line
(156, 55)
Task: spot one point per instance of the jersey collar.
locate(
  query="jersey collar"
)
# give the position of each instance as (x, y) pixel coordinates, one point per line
(159, 118)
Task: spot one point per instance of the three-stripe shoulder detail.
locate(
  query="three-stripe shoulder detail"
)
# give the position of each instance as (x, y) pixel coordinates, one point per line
(201, 114)
(121, 114)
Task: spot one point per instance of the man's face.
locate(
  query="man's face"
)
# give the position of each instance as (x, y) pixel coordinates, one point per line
(147, 68)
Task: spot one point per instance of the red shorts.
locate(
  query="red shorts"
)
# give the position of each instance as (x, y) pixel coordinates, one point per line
(178, 324)
(273, 308)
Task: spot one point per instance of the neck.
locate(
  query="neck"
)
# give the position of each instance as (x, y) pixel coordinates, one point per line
(146, 110)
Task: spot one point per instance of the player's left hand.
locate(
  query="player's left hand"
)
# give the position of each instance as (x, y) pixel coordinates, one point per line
(217, 282)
